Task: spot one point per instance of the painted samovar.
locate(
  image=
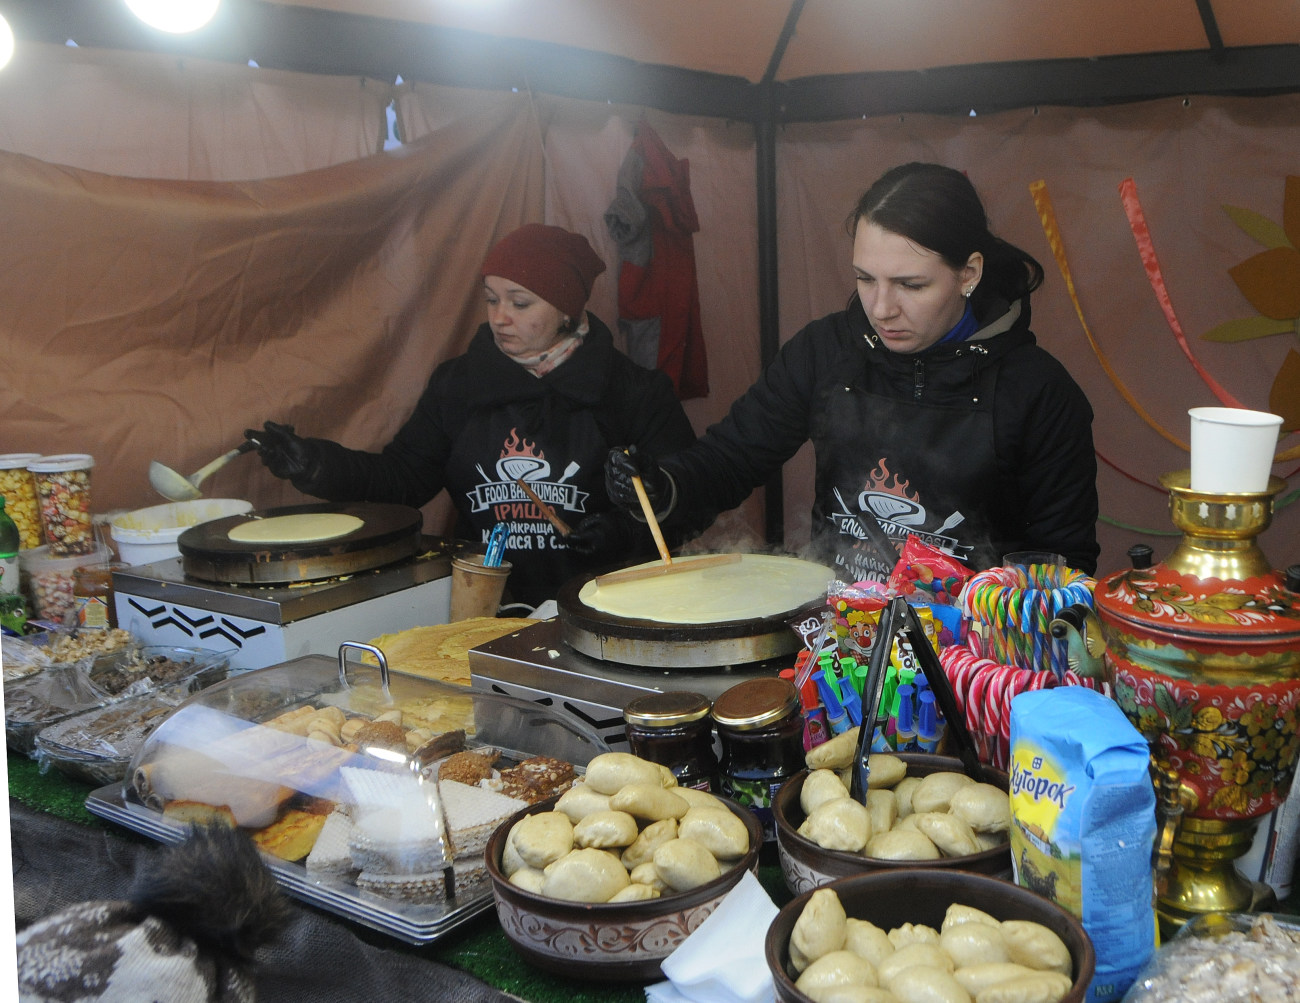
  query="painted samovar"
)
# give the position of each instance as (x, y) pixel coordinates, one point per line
(1204, 654)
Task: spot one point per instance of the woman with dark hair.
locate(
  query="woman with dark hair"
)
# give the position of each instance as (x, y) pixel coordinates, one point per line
(931, 408)
(541, 395)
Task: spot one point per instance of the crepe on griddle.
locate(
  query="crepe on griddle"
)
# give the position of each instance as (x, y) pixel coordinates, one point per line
(755, 587)
(304, 527)
(442, 651)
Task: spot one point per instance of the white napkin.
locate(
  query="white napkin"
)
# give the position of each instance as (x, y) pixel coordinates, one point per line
(723, 961)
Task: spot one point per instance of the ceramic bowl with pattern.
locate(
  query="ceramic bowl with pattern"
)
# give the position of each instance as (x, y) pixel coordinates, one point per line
(607, 941)
(922, 896)
(805, 865)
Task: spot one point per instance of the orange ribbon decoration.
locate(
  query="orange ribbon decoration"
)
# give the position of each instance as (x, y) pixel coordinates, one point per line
(1047, 216)
(1137, 222)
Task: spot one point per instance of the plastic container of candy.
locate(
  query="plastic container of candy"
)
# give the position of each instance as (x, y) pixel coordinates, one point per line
(18, 488)
(63, 492)
(49, 580)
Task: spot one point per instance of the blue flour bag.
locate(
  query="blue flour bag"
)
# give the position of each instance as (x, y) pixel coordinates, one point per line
(1083, 823)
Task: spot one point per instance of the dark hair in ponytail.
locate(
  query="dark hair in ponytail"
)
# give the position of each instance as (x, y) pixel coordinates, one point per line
(938, 208)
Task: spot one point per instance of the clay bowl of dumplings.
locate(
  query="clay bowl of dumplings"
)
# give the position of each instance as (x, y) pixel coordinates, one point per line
(806, 865)
(607, 941)
(921, 897)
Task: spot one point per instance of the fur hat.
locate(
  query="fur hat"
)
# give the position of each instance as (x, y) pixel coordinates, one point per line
(557, 265)
(188, 931)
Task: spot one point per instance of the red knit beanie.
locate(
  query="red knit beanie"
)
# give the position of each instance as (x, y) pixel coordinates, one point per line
(557, 265)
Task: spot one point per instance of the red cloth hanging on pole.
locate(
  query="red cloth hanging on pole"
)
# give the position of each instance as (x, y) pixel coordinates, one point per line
(652, 218)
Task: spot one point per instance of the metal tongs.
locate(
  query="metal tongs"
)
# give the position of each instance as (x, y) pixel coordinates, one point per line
(899, 618)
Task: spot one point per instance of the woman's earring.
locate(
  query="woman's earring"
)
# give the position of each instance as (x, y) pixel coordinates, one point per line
(969, 290)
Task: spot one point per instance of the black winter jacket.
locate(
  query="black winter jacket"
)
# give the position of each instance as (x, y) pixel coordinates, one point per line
(981, 447)
(484, 420)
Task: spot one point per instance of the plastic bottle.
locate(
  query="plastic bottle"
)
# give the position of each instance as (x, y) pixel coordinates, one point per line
(13, 609)
(929, 724)
(851, 702)
(905, 733)
(836, 719)
(815, 729)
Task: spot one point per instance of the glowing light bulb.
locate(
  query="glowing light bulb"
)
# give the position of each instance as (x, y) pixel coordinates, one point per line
(6, 42)
(175, 16)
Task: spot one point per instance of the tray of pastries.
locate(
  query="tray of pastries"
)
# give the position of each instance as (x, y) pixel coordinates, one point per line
(371, 795)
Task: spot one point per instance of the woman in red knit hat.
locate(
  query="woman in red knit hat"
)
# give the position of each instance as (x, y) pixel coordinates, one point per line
(542, 395)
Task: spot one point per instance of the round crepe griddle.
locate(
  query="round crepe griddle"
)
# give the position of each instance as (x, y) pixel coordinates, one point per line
(655, 643)
(388, 533)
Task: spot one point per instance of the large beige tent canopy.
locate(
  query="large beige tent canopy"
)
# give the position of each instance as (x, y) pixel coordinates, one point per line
(828, 59)
(205, 231)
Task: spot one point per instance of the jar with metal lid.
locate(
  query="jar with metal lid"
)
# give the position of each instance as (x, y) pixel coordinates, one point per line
(761, 732)
(675, 730)
(92, 594)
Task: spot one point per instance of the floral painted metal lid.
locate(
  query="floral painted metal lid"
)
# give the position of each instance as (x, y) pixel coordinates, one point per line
(1162, 599)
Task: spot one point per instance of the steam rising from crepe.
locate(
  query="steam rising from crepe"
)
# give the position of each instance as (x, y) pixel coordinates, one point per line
(759, 586)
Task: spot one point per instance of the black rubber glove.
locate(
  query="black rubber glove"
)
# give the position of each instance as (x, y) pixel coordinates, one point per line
(285, 454)
(607, 537)
(622, 465)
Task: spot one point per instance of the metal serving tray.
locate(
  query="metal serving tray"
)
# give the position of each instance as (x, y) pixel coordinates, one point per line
(413, 924)
(217, 720)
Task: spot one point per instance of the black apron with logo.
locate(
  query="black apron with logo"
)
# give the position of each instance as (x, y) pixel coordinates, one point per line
(561, 458)
(913, 467)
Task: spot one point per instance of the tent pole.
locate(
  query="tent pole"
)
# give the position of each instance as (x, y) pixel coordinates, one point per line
(769, 318)
(769, 341)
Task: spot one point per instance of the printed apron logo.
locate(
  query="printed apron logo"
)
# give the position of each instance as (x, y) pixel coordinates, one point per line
(891, 502)
(508, 503)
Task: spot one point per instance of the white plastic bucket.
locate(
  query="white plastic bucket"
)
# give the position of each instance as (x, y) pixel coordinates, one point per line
(150, 534)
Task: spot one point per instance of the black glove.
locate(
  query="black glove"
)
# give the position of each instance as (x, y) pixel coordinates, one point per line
(622, 465)
(285, 454)
(606, 537)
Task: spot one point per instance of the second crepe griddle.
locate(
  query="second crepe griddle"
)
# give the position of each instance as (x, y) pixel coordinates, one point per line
(388, 533)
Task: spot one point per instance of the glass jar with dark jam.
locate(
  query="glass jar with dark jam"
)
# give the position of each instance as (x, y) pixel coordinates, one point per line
(675, 730)
(761, 732)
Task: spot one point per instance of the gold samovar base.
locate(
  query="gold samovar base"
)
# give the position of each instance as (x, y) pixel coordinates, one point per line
(1203, 877)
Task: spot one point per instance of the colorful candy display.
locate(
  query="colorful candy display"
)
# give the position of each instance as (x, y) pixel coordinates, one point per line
(1011, 609)
(927, 573)
(984, 690)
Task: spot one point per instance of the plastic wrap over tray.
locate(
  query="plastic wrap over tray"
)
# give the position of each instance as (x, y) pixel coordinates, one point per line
(1224, 958)
(372, 796)
(97, 746)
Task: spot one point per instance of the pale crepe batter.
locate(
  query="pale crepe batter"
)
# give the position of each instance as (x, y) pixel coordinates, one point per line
(759, 585)
(305, 527)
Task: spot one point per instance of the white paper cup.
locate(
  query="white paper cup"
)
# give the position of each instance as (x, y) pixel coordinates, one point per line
(1232, 449)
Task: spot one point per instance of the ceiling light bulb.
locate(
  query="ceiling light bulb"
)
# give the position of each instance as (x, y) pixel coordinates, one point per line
(176, 16)
(6, 42)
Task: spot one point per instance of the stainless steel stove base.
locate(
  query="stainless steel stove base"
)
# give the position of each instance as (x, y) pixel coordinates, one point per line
(535, 664)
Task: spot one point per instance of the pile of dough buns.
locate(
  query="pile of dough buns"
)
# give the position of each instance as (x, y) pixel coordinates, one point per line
(624, 833)
(942, 814)
(972, 957)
